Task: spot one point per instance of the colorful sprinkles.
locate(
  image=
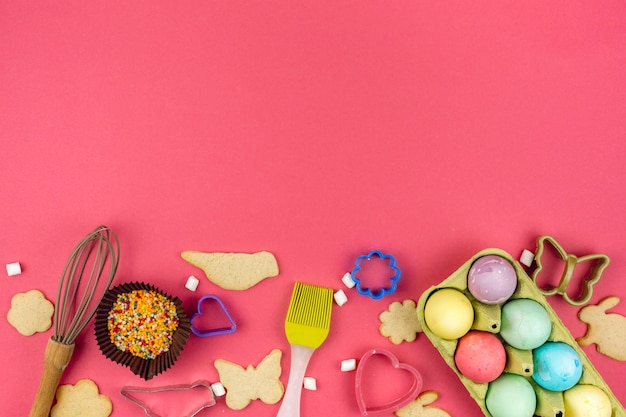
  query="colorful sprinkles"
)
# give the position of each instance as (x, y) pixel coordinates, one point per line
(142, 323)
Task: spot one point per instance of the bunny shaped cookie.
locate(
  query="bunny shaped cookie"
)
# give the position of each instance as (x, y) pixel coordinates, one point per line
(607, 331)
(420, 408)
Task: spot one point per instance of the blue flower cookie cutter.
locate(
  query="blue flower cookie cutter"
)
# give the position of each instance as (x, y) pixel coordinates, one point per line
(212, 332)
(378, 294)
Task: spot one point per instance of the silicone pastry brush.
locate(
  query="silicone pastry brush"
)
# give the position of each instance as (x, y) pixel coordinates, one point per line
(83, 284)
(307, 326)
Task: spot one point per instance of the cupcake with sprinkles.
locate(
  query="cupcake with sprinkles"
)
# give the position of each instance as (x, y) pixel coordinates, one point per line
(141, 327)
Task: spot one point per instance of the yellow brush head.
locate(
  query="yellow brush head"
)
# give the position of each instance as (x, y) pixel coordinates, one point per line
(308, 318)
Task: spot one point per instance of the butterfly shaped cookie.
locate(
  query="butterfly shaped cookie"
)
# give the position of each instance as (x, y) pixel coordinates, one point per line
(244, 385)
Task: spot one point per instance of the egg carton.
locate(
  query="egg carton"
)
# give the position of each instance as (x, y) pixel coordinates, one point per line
(520, 362)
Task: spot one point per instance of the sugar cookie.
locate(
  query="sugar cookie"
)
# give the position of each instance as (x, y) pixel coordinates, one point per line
(82, 399)
(420, 408)
(399, 322)
(234, 271)
(245, 385)
(30, 312)
(606, 330)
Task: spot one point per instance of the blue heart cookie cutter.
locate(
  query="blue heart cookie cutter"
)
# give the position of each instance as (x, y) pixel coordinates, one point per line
(212, 332)
(375, 295)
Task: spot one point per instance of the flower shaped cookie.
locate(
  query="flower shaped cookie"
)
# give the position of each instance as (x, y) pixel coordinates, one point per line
(30, 312)
(399, 322)
(82, 399)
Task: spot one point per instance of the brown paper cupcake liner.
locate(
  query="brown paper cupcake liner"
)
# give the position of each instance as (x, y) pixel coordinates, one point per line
(145, 368)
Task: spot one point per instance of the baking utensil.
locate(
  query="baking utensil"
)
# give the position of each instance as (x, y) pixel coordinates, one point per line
(199, 395)
(409, 395)
(381, 292)
(306, 326)
(79, 293)
(597, 261)
(203, 332)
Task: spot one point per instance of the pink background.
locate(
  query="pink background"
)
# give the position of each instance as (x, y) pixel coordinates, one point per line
(315, 130)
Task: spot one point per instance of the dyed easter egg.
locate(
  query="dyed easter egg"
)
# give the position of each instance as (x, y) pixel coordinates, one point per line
(587, 401)
(557, 366)
(491, 279)
(448, 313)
(510, 395)
(480, 356)
(525, 324)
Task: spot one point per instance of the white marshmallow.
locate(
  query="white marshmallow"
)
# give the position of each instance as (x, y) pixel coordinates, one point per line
(347, 280)
(192, 283)
(218, 389)
(348, 365)
(310, 383)
(14, 269)
(527, 257)
(340, 298)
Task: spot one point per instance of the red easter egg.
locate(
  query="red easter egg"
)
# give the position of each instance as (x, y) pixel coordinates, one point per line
(480, 356)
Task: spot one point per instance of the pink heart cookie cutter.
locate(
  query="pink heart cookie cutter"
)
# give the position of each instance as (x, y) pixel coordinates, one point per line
(401, 401)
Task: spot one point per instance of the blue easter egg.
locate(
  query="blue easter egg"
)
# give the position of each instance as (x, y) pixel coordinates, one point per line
(557, 366)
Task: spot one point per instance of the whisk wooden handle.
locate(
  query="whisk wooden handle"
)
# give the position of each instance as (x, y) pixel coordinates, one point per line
(57, 357)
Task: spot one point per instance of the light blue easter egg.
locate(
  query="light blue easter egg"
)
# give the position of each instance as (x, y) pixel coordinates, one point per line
(557, 366)
(510, 395)
(525, 324)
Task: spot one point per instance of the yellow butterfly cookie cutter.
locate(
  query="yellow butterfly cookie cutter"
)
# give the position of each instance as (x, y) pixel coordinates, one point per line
(600, 262)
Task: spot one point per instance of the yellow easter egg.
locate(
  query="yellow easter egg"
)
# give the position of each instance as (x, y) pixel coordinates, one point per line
(586, 401)
(448, 313)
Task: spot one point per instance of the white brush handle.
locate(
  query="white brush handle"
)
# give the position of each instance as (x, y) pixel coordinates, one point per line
(300, 356)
